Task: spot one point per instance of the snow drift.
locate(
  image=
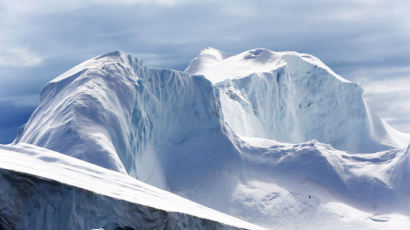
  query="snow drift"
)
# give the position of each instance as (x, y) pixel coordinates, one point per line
(276, 138)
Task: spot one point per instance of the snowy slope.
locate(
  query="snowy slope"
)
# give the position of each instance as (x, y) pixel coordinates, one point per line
(293, 97)
(43, 189)
(348, 191)
(268, 130)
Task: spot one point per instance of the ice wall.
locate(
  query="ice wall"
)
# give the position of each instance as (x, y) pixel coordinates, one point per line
(291, 97)
(153, 124)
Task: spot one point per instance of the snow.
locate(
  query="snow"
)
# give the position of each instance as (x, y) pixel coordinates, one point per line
(293, 97)
(283, 209)
(252, 135)
(48, 165)
(115, 112)
(219, 66)
(347, 190)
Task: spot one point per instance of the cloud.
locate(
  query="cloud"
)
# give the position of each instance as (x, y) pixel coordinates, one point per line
(388, 86)
(18, 57)
(51, 6)
(12, 116)
(340, 33)
(390, 98)
(158, 2)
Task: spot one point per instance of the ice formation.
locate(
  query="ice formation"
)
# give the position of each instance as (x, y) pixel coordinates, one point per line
(116, 112)
(275, 138)
(292, 97)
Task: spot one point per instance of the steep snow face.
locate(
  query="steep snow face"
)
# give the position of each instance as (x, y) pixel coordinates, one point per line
(115, 112)
(45, 190)
(292, 97)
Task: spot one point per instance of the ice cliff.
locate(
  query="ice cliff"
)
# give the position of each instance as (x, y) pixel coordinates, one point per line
(116, 112)
(292, 97)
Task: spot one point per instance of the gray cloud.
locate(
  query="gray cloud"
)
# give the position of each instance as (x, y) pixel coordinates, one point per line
(12, 116)
(365, 41)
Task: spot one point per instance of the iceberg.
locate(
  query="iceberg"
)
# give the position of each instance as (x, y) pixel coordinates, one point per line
(275, 138)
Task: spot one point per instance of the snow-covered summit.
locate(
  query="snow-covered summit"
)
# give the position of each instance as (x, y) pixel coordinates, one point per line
(207, 58)
(219, 66)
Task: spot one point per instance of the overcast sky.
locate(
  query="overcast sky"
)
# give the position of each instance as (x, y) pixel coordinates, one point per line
(365, 41)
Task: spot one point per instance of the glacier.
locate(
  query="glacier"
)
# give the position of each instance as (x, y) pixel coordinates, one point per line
(275, 138)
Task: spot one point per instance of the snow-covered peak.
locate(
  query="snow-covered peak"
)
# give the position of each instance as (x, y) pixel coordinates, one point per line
(292, 58)
(215, 53)
(216, 66)
(207, 58)
(94, 63)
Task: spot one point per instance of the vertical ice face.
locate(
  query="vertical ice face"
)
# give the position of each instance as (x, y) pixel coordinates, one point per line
(116, 112)
(291, 97)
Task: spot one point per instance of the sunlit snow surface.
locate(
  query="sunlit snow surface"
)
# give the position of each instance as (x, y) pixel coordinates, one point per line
(49, 165)
(275, 138)
(313, 186)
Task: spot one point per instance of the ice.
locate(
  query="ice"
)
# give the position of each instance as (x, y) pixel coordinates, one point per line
(294, 97)
(43, 189)
(275, 138)
(116, 112)
(313, 186)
